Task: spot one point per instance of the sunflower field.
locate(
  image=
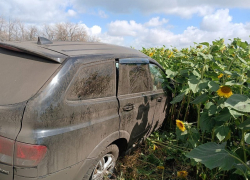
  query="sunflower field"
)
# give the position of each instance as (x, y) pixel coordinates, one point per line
(209, 117)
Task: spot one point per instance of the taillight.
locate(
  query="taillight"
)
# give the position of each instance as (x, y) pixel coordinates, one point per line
(26, 155)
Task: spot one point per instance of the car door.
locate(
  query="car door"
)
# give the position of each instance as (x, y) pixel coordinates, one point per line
(137, 103)
(157, 76)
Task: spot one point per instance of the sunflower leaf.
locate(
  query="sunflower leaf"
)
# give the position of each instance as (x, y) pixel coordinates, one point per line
(205, 43)
(247, 138)
(206, 122)
(214, 155)
(248, 73)
(242, 60)
(221, 132)
(200, 99)
(213, 86)
(224, 115)
(171, 74)
(178, 98)
(245, 125)
(235, 113)
(238, 102)
(193, 83)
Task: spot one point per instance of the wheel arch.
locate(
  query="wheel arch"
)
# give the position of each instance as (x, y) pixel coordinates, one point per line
(118, 138)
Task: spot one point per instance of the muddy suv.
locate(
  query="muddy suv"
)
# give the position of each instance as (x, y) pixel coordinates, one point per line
(69, 109)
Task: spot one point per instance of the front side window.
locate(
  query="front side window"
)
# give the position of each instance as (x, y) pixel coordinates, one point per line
(134, 78)
(157, 76)
(93, 81)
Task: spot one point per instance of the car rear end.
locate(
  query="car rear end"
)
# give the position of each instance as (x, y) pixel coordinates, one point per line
(21, 77)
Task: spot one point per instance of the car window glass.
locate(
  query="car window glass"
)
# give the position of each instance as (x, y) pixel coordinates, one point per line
(95, 81)
(133, 78)
(157, 76)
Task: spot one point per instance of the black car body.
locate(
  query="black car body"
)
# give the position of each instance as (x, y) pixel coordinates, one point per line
(63, 104)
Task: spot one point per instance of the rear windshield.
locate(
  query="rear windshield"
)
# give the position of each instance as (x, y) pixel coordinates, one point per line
(22, 75)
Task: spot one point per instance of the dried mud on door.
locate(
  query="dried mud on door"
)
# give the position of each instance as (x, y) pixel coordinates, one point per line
(134, 90)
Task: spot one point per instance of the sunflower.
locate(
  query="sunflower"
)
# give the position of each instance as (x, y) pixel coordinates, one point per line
(182, 174)
(160, 167)
(225, 91)
(180, 125)
(220, 76)
(154, 147)
(171, 54)
(151, 54)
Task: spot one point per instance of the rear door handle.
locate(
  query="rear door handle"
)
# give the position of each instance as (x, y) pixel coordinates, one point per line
(128, 107)
(159, 99)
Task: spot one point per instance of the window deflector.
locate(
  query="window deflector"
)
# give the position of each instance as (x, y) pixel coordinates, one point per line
(134, 61)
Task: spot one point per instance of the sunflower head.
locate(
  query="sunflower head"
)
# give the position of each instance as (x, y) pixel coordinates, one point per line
(151, 54)
(180, 125)
(225, 91)
(182, 174)
(220, 76)
(171, 54)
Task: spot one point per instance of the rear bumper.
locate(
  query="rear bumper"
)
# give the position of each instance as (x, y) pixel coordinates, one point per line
(75, 172)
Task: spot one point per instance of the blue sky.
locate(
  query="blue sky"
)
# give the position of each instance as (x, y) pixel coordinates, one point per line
(141, 23)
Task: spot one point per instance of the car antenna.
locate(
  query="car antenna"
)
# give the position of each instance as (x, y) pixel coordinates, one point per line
(43, 40)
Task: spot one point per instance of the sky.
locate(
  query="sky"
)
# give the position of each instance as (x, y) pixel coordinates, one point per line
(141, 23)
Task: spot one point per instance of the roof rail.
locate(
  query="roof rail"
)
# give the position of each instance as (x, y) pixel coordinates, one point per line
(43, 40)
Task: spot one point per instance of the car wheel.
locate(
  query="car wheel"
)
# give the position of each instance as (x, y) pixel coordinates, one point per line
(104, 165)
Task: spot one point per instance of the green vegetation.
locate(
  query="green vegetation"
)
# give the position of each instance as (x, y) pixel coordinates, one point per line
(207, 131)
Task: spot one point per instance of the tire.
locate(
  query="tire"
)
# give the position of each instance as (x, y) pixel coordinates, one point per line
(103, 166)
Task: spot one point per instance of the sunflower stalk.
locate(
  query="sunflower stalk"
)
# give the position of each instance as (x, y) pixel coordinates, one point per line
(243, 134)
(188, 102)
(199, 105)
(182, 102)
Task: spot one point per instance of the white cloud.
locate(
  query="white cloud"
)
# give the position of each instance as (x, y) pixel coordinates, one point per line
(31, 11)
(124, 28)
(95, 30)
(102, 14)
(106, 38)
(47, 11)
(156, 22)
(71, 12)
(217, 21)
(181, 8)
(142, 35)
(155, 32)
(92, 31)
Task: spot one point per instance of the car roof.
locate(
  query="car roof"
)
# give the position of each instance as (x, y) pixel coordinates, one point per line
(62, 50)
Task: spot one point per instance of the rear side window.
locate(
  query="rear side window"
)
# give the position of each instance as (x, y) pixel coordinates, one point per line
(134, 78)
(93, 81)
(157, 76)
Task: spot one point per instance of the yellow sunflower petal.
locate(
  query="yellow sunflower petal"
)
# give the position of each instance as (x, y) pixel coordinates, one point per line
(220, 76)
(160, 167)
(180, 125)
(225, 91)
(182, 174)
(151, 54)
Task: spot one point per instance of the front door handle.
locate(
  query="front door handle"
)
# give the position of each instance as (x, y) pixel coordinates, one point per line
(128, 107)
(159, 99)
